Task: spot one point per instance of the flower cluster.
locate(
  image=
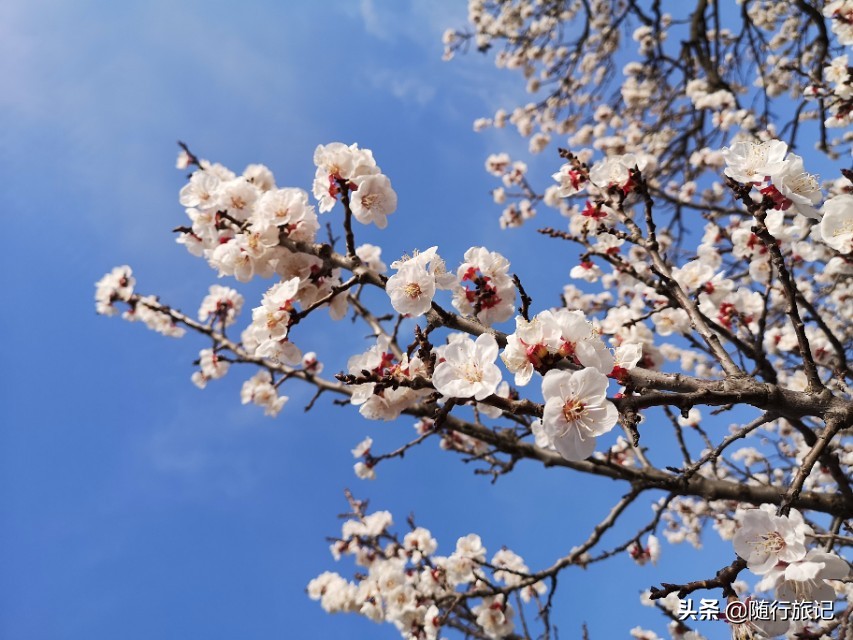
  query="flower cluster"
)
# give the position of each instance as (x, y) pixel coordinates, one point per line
(486, 290)
(343, 169)
(413, 287)
(117, 286)
(778, 176)
(404, 582)
(783, 180)
(390, 396)
(754, 311)
(774, 548)
(222, 304)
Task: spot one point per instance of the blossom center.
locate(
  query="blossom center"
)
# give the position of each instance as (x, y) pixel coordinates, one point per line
(413, 290)
(771, 542)
(472, 373)
(371, 200)
(573, 409)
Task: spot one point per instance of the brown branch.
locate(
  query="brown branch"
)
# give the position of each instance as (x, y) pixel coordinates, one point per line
(722, 580)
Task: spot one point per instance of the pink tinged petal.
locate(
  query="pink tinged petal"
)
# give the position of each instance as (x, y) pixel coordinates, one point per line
(457, 351)
(491, 379)
(769, 581)
(573, 446)
(446, 380)
(487, 347)
(611, 418)
(598, 420)
(553, 384)
(523, 375)
(761, 563)
(794, 550)
(802, 571)
(552, 415)
(592, 352)
(590, 385)
(791, 590)
(834, 567)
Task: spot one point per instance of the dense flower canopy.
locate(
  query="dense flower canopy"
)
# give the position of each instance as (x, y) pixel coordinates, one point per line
(709, 297)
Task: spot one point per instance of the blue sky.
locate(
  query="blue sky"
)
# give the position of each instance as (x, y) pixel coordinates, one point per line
(136, 506)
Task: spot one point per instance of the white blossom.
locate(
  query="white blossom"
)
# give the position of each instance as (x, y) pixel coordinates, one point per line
(765, 539)
(468, 368)
(373, 200)
(836, 225)
(753, 162)
(576, 410)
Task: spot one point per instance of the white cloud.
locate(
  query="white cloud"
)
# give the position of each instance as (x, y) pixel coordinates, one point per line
(372, 20)
(418, 21)
(404, 87)
(203, 455)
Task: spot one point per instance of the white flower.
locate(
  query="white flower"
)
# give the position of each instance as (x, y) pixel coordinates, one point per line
(468, 368)
(200, 191)
(650, 553)
(625, 357)
(289, 210)
(798, 188)
(576, 410)
(231, 258)
(411, 289)
(373, 200)
(668, 321)
(337, 161)
(372, 525)
(364, 471)
(212, 368)
(836, 226)
(116, 285)
(838, 11)
(765, 539)
(144, 311)
(362, 448)
(371, 257)
(462, 562)
(388, 403)
(237, 198)
(750, 162)
(586, 270)
(615, 171)
(260, 390)
(805, 579)
(311, 364)
(554, 334)
(530, 343)
(693, 419)
(571, 180)
(334, 592)
(260, 176)
(497, 164)
(494, 615)
(579, 341)
(486, 290)
(693, 275)
(183, 160)
(222, 303)
(419, 542)
(273, 316)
